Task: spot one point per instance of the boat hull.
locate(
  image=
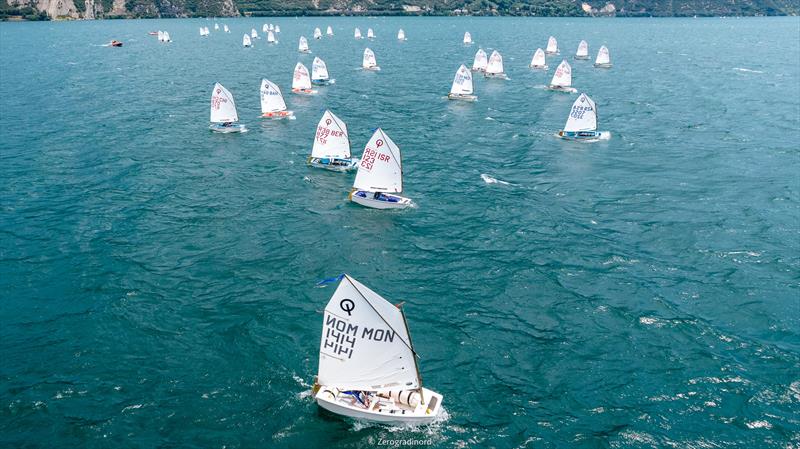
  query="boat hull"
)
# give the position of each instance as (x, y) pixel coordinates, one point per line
(420, 416)
(551, 53)
(501, 76)
(569, 90)
(333, 164)
(372, 69)
(584, 135)
(277, 115)
(603, 66)
(219, 128)
(462, 97)
(539, 67)
(581, 58)
(386, 201)
(304, 91)
(327, 82)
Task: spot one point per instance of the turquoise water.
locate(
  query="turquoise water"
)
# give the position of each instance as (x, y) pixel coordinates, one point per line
(158, 281)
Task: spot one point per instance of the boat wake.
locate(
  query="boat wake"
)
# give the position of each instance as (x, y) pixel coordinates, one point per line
(489, 180)
(741, 69)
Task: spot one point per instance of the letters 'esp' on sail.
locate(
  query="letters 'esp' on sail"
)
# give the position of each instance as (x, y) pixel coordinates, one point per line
(381, 357)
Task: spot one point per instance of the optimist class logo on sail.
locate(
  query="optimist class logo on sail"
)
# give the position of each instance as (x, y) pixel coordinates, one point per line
(370, 156)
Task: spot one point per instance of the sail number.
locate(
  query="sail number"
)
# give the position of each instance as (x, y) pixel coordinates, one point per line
(323, 134)
(578, 111)
(341, 336)
(370, 156)
(216, 101)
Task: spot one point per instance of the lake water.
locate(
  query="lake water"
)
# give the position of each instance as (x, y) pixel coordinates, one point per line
(158, 280)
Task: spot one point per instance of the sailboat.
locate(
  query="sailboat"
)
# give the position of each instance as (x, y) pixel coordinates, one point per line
(254, 33)
(562, 79)
(380, 173)
(467, 38)
(368, 366)
(329, 31)
(302, 46)
(301, 82)
(603, 60)
(277, 29)
(582, 122)
(583, 51)
(462, 85)
(319, 73)
(270, 27)
(539, 61)
(271, 38)
(552, 46)
(331, 149)
(163, 36)
(272, 104)
(369, 62)
(401, 35)
(246, 42)
(225, 28)
(160, 36)
(203, 31)
(264, 28)
(216, 27)
(480, 62)
(370, 34)
(317, 33)
(357, 34)
(223, 112)
(495, 67)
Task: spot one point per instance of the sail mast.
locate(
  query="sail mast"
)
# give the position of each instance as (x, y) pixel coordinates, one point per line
(416, 365)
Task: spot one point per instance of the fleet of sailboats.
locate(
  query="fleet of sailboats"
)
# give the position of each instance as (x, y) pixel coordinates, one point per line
(331, 149)
(368, 368)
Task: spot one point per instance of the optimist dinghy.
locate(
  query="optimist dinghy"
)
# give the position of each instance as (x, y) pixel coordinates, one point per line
(562, 79)
(367, 363)
(603, 60)
(539, 61)
(329, 31)
(225, 28)
(302, 46)
(370, 34)
(319, 73)
(331, 149)
(277, 29)
(583, 51)
(380, 173)
(265, 28)
(467, 38)
(317, 33)
(480, 62)
(369, 62)
(223, 112)
(254, 33)
(495, 67)
(301, 82)
(246, 42)
(272, 104)
(462, 85)
(271, 38)
(216, 26)
(401, 35)
(552, 46)
(357, 34)
(582, 122)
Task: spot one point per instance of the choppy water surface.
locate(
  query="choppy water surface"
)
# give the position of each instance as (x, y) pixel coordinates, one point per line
(158, 281)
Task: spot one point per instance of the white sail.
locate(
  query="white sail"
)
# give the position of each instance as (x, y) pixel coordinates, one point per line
(202, 31)
(226, 29)
(271, 37)
(582, 116)
(462, 83)
(246, 41)
(207, 31)
(317, 33)
(271, 97)
(301, 79)
(401, 35)
(302, 45)
(552, 45)
(166, 37)
(329, 31)
(254, 33)
(602, 56)
(370, 34)
(467, 38)
(480, 61)
(216, 27)
(538, 59)
(357, 33)
(264, 28)
(381, 167)
(270, 27)
(223, 109)
(365, 343)
(331, 140)
(319, 70)
(583, 50)
(277, 29)
(160, 36)
(563, 75)
(495, 65)
(369, 59)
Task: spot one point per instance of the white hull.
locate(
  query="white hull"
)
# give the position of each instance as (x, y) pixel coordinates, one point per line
(367, 199)
(581, 58)
(585, 136)
(603, 66)
(569, 90)
(372, 69)
(277, 115)
(551, 53)
(501, 76)
(218, 128)
(539, 67)
(462, 97)
(346, 165)
(323, 82)
(385, 412)
(304, 91)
